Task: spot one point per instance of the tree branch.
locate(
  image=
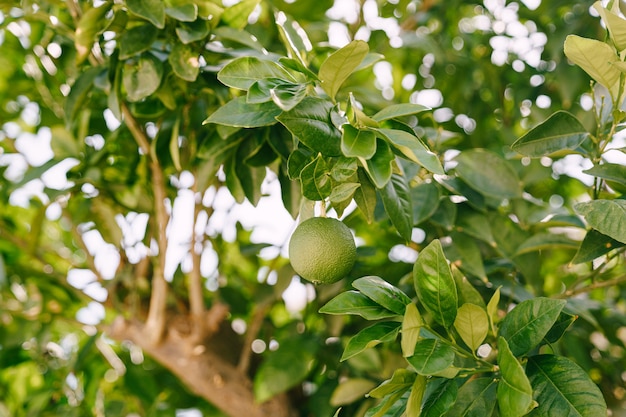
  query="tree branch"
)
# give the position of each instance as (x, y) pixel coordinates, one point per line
(205, 371)
(594, 286)
(155, 324)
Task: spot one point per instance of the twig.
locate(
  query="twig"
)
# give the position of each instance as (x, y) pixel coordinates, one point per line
(594, 286)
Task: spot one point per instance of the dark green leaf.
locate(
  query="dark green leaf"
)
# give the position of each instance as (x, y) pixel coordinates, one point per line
(610, 172)
(79, 92)
(466, 254)
(382, 332)
(397, 202)
(431, 356)
(424, 201)
(357, 143)
(474, 223)
(546, 241)
(315, 180)
(488, 173)
(193, 31)
(466, 291)
(338, 66)
(399, 110)
(181, 10)
(353, 302)
(91, 23)
(439, 397)
(365, 196)
(284, 367)
(413, 149)
(594, 245)
(344, 169)
(435, 285)
(527, 324)
(562, 388)
(559, 328)
(393, 405)
(343, 192)
(184, 62)
(291, 193)
(310, 122)
(239, 113)
(151, 10)
(515, 395)
(383, 293)
(606, 216)
(136, 40)
(476, 398)
(142, 78)
(559, 132)
(379, 166)
(298, 159)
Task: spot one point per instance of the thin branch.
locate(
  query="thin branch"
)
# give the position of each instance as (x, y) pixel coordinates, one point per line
(258, 315)
(594, 286)
(155, 324)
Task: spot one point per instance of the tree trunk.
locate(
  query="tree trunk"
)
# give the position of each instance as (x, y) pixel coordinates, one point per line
(204, 369)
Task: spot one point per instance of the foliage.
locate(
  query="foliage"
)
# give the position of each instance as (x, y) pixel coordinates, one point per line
(490, 268)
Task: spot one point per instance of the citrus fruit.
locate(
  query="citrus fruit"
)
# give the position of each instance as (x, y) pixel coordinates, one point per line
(322, 250)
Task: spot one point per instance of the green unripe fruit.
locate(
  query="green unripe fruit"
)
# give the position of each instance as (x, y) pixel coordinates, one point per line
(322, 250)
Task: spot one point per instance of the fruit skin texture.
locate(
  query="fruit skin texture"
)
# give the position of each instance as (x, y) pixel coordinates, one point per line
(322, 250)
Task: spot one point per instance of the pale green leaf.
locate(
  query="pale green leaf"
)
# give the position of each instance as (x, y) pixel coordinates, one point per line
(431, 356)
(399, 110)
(351, 390)
(411, 325)
(151, 10)
(411, 148)
(381, 332)
(239, 113)
(472, 324)
(606, 216)
(614, 23)
(339, 65)
(596, 58)
(242, 72)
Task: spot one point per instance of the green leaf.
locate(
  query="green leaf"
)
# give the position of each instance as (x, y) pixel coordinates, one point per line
(236, 16)
(151, 10)
(184, 62)
(365, 196)
(136, 40)
(413, 149)
(527, 324)
(315, 180)
(474, 223)
(492, 309)
(465, 253)
(431, 356)
(357, 143)
(559, 328)
(411, 325)
(338, 66)
(424, 201)
(383, 293)
(344, 169)
(399, 110)
(414, 403)
(239, 113)
(181, 10)
(284, 368)
(379, 166)
(435, 285)
(594, 245)
(143, 78)
(515, 395)
(310, 122)
(91, 23)
(392, 405)
(472, 324)
(476, 398)
(350, 390)
(242, 72)
(610, 172)
(294, 38)
(343, 192)
(606, 216)
(546, 241)
(466, 291)
(440, 395)
(397, 203)
(381, 332)
(614, 23)
(193, 31)
(402, 379)
(353, 302)
(596, 59)
(562, 388)
(488, 173)
(79, 92)
(559, 132)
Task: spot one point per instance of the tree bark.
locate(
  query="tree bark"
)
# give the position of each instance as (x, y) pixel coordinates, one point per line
(204, 369)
